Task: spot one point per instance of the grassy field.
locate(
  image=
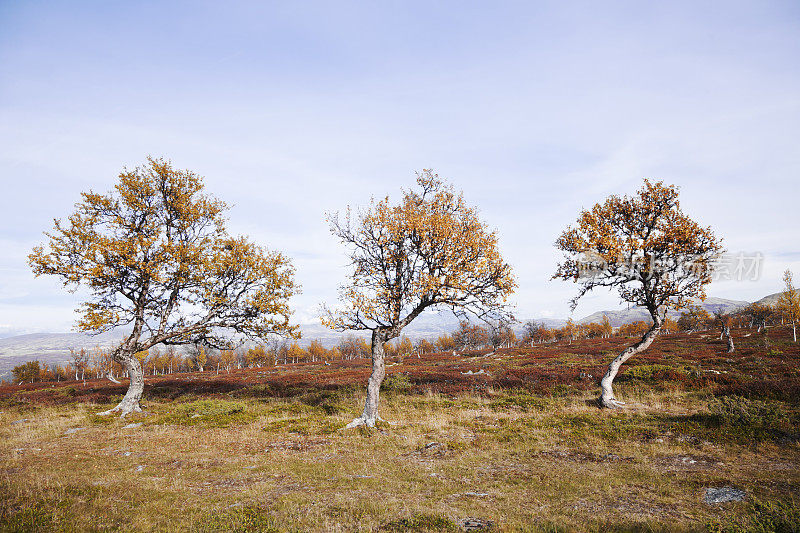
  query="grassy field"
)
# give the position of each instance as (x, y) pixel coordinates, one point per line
(519, 446)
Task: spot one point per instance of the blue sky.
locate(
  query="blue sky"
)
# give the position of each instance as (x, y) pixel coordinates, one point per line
(533, 109)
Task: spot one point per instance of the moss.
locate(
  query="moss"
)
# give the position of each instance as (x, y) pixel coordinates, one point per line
(523, 401)
(209, 413)
(420, 523)
(239, 519)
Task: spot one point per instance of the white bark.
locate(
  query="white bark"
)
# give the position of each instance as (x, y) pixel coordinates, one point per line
(729, 337)
(607, 398)
(130, 402)
(370, 414)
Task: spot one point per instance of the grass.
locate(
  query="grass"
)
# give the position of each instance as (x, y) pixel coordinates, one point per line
(272, 457)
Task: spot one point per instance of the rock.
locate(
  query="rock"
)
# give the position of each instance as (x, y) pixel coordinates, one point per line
(131, 426)
(72, 430)
(476, 494)
(140, 468)
(713, 495)
(475, 524)
(20, 421)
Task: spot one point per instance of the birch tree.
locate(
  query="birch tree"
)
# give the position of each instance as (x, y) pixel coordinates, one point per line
(428, 251)
(157, 259)
(646, 248)
(789, 303)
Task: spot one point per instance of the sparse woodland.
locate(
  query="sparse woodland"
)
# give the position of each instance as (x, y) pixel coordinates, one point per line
(230, 422)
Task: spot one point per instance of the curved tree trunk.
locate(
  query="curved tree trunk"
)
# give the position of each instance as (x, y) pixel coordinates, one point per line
(130, 403)
(370, 414)
(607, 399)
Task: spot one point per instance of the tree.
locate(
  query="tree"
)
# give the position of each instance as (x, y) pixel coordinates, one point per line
(500, 335)
(317, 351)
(535, 332)
(789, 303)
(156, 258)
(606, 328)
(645, 247)
(227, 358)
(669, 326)
(80, 360)
(758, 315)
(634, 329)
(725, 322)
(429, 250)
(30, 372)
(445, 343)
(470, 336)
(694, 318)
(353, 347)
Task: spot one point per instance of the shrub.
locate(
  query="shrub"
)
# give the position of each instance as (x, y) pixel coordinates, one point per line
(213, 413)
(397, 383)
(763, 517)
(242, 519)
(421, 523)
(739, 411)
(655, 373)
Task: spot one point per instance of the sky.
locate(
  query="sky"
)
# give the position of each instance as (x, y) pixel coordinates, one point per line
(294, 109)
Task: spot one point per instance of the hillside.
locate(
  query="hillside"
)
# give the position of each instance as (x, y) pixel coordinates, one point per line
(770, 300)
(505, 441)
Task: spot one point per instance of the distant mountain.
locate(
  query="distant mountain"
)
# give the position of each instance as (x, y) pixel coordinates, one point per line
(49, 348)
(634, 314)
(770, 300)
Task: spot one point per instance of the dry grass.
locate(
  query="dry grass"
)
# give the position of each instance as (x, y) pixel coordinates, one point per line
(522, 459)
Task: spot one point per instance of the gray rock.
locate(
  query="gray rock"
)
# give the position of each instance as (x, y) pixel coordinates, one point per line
(131, 426)
(713, 495)
(475, 524)
(72, 430)
(20, 421)
(140, 468)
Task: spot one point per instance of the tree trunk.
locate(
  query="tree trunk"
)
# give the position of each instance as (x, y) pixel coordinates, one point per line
(370, 414)
(728, 336)
(130, 403)
(607, 399)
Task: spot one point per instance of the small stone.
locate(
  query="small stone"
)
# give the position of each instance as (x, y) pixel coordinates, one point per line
(131, 426)
(127, 454)
(72, 430)
(475, 524)
(476, 494)
(714, 495)
(140, 468)
(20, 421)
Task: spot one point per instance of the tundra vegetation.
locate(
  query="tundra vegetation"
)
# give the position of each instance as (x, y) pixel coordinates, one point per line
(513, 438)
